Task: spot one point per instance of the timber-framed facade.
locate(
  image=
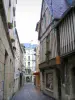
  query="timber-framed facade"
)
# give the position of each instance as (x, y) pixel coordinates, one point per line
(57, 54)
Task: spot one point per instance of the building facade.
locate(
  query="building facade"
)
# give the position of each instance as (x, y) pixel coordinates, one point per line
(29, 61)
(48, 53)
(18, 63)
(23, 67)
(37, 70)
(57, 52)
(66, 52)
(10, 50)
(6, 49)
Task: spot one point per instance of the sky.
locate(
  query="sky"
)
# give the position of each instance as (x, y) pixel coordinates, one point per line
(27, 15)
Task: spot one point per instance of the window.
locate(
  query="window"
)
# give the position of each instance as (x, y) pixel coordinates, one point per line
(33, 58)
(14, 11)
(28, 52)
(47, 47)
(49, 81)
(26, 72)
(16, 1)
(47, 42)
(28, 57)
(44, 20)
(43, 23)
(29, 71)
(14, 23)
(9, 3)
(25, 58)
(48, 17)
(25, 63)
(28, 64)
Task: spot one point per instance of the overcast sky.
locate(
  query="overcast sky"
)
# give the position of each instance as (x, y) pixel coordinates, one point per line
(27, 15)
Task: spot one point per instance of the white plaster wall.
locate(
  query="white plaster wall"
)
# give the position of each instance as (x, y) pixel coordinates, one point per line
(9, 70)
(29, 52)
(32, 57)
(17, 64)
(6, 7)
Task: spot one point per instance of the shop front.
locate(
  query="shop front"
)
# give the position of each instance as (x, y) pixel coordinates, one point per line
(37, 79)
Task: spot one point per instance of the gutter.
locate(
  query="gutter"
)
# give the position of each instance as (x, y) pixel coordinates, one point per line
(3, 15)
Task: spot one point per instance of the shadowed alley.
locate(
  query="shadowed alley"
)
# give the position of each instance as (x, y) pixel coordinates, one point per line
(29, 92)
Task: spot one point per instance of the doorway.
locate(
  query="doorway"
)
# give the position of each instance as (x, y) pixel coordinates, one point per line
(59, 83)
(73, 81)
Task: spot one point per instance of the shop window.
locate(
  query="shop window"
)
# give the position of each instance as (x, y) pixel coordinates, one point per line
(49, 81)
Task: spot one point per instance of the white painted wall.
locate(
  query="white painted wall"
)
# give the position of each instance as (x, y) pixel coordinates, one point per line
(9, 67)
(29, 52)
(18, 64)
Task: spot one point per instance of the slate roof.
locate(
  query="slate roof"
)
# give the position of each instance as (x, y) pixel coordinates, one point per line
(57, 7)
(71, 2)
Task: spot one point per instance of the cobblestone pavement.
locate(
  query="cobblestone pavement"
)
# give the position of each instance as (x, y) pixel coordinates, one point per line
(29, 92)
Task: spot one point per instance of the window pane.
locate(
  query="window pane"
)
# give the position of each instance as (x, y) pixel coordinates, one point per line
(49, 81)
(28, 57)
(28, 64)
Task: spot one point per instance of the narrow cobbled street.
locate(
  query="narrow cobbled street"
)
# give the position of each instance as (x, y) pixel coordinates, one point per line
(29, 92)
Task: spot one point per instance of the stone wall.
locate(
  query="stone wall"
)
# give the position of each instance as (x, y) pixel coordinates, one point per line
(6, 65)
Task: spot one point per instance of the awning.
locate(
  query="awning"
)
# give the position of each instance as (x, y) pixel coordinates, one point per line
(36, 73)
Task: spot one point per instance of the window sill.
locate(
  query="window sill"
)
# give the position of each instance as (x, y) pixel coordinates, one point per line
(48, 90)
